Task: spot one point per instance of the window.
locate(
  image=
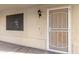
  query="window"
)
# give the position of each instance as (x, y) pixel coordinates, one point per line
(14, 22)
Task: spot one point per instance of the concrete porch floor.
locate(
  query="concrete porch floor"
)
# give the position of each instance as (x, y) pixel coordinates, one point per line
(8, 47)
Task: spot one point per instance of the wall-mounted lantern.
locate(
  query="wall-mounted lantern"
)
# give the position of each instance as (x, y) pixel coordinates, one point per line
(39, 13)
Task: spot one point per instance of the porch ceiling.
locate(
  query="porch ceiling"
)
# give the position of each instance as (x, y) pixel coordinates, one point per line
(17, 6)
(9, 6)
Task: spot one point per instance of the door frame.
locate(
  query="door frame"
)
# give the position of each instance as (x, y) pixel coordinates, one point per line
(69, 30)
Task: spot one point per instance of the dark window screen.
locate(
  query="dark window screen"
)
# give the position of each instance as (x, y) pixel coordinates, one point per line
(14, 22)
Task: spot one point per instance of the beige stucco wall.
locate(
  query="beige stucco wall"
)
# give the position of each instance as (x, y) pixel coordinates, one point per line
(34, 34)
(35, 29)
(75, 28)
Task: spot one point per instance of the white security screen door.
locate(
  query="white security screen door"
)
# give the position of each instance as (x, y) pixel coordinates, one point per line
(58, 29)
